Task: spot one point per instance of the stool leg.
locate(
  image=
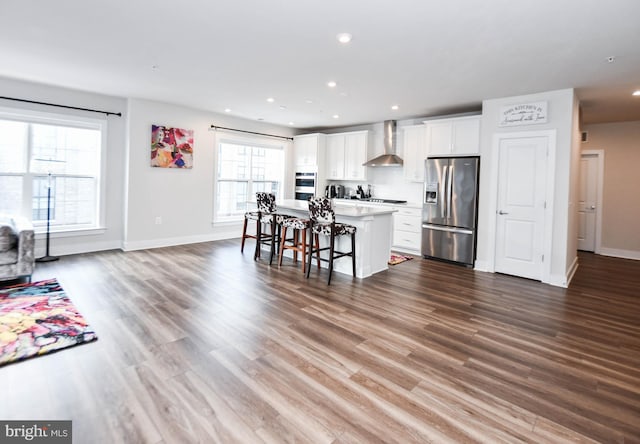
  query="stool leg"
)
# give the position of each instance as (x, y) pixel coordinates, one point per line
(244, 234)
(296, 234)
(332, 241)
(304, 250)
(275, 229)
(353, 253)
(310, 252)
(256, 254)
(282, 239)
(318, 250)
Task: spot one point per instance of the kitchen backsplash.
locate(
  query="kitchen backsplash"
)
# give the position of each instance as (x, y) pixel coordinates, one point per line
(387, 183)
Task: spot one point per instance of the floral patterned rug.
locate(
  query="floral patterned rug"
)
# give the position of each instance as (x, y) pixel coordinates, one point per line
(38, 318)
(398, 259)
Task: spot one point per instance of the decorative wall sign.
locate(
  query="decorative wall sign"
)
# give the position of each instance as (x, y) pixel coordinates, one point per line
(524, 114)
(171, 147)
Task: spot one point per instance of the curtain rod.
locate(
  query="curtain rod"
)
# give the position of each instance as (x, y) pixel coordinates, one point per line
(108, 113)
(213, 127)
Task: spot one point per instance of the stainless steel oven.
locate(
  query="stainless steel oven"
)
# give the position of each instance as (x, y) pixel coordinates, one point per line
(305, 186)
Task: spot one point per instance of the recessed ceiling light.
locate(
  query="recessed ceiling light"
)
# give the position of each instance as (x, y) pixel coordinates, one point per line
(290, 123)
(271, 100)
(260, 119)
(344, 37)
(308, 101)
(395, 107)
(227, 110)
(332, 84)
(335, 116)
(636, 93)
(611, 59)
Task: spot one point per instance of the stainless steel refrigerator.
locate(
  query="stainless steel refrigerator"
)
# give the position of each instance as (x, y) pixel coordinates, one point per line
(450, 208)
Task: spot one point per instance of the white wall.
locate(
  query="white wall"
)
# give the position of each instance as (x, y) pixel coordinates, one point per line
(182, 199)
(111, 236)
(561, 119)
(620, 142)
(135, 192)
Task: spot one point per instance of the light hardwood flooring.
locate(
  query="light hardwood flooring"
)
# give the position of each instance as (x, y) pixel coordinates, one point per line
(199, 343)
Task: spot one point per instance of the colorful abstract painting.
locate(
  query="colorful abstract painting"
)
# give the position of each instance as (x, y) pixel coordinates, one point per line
(38, 318)
(171, 147)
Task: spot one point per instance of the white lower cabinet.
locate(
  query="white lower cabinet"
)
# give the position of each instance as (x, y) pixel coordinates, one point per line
(407, 230)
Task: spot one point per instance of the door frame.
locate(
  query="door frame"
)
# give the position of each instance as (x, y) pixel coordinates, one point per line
(599, 153)
(550, 135)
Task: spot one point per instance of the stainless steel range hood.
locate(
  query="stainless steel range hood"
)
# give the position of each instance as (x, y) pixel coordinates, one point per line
(389, 158)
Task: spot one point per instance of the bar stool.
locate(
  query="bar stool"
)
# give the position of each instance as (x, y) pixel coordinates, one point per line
(265, 214)
(323, 222)
(299, 226)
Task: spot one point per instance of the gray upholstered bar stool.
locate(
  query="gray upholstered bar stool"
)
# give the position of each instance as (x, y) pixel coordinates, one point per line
(323, 222)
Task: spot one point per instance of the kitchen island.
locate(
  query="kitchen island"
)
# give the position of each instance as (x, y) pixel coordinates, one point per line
(373, 235)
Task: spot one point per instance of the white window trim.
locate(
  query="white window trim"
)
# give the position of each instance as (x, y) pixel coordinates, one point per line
(74, 121)
(247, 140)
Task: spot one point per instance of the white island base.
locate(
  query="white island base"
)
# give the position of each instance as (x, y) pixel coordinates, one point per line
(374, 228)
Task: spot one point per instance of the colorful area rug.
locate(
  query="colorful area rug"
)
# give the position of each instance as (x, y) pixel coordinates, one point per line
(398, 259)
(38, 318)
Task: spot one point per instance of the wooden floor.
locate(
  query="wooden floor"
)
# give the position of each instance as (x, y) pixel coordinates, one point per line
(199, 343)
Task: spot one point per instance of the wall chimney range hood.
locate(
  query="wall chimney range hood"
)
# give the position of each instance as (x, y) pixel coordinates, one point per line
(389, 158)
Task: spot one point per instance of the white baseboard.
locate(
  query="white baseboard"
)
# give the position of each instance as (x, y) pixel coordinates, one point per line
(64, 250)
(557, 280)
(482, 266)
(173, 241)
(572, 270)
(624, 254)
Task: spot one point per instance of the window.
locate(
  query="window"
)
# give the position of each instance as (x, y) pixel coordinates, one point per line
(39, 155)
(242, 171)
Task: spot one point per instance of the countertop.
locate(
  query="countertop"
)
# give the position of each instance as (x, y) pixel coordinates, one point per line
(357, 202)
(340, 209)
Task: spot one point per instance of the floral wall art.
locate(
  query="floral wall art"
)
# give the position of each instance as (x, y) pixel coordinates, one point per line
(171, 147)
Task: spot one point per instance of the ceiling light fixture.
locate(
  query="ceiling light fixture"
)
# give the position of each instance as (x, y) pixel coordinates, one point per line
(332, 84)
(291, 123)
(335, 116)
(227, 110)
(344, 37)
(308, 101)
(271, 100)
(636, 93)
(395, 107)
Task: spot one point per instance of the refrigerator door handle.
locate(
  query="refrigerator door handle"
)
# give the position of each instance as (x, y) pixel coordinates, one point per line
(450, 192)
(447, 229)
(443, 190)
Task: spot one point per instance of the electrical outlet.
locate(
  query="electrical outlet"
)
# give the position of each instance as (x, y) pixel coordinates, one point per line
(158, 220)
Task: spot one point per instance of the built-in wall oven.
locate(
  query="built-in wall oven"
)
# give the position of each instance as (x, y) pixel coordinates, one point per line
(305, 186)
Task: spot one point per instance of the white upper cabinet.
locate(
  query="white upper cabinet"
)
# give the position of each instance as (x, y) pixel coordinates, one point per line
(457, 136)
(414, 152)
(335, 156)
(345, 154)
(305, 150)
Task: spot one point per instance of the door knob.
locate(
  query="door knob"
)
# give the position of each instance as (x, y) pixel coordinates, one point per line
(502, 212)
(593, 207)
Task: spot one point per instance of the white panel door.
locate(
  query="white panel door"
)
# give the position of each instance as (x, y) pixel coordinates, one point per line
(587, 202)
(521, 206)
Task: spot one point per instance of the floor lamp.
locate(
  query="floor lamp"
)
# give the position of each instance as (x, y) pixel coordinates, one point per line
(47, 257)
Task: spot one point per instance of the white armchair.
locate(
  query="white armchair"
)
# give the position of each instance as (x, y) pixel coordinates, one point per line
(17, 242)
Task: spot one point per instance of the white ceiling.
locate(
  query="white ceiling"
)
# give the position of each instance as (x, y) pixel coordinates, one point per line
(429, 57)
